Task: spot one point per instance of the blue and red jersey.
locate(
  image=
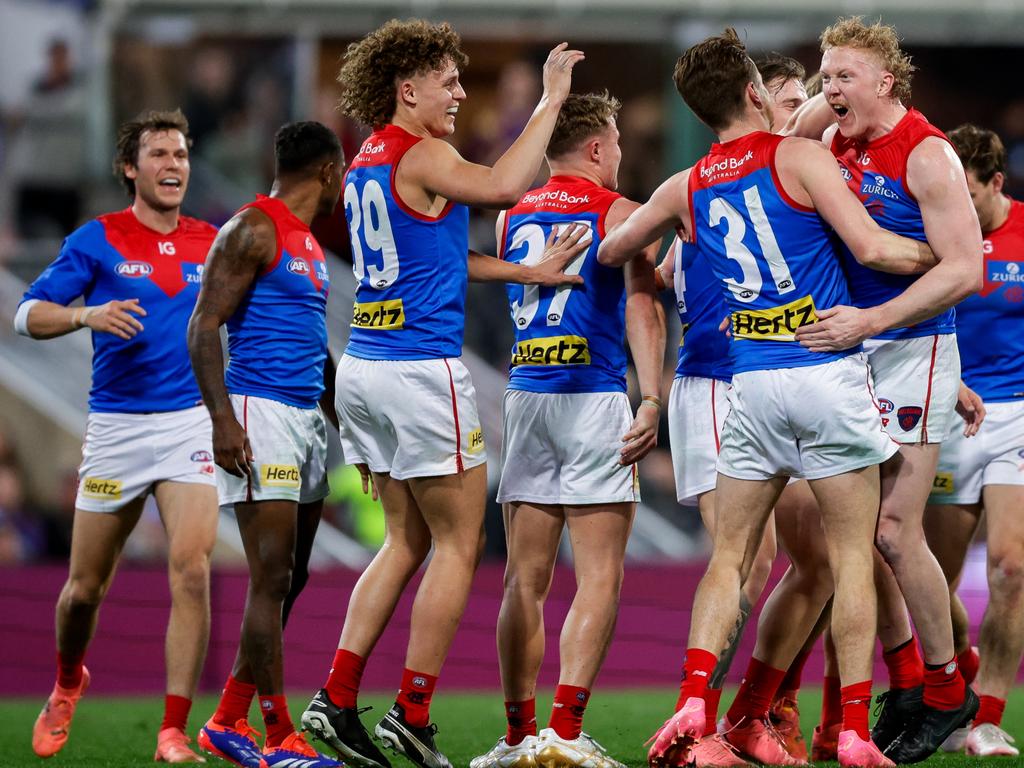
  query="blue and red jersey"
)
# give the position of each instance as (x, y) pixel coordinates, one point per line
(277, 337)
(703, 348)
(411, 268)
(989, 323)
(775, 258)
(568, 339)
(117, 257)
(877, 173)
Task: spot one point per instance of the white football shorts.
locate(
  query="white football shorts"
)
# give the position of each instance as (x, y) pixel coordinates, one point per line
(289, 453)
(916, 385)
(809, 422)
(126, 454)
(697, 408)
(563, 448)
(994, 456)
(408, 418)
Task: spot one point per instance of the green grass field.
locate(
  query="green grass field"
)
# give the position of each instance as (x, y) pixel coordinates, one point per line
(121, 732)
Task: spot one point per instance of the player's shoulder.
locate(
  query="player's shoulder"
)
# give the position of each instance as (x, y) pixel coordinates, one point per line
(94, 232)
(192, 227)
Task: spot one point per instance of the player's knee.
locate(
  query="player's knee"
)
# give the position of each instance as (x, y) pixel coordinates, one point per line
(273, 583)
(190, 575)
(604, 582)
(84, 594)
(1006, 570)
(891, 540)
(528, 580)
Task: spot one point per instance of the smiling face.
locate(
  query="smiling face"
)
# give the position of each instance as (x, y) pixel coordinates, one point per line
(161, 171)
(857, 88)
(434, 98)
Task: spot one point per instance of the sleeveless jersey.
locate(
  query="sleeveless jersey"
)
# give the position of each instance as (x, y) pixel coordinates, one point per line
(568, 339)
(277, 338)
(412, 269)
(989, 323)
(118, 257)
(877, 172)
(703, 349)
(776, 258)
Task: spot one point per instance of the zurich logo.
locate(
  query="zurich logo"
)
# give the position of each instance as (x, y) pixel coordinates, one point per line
(134, 269)
(880, 181)
(1013, 268)
(298, 267)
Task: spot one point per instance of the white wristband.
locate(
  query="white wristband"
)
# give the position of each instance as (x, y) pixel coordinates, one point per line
(21, 316)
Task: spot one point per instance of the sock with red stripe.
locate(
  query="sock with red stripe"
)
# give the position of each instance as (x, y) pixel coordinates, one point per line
(990, 711)
(905, 665)
(69, 669)
(856, 700)
(790, 685)
(235, 700)
(342, 684)
(698, 665)
(176, 709)
(276, 719)
(567, 711)
(943, 685)
(522, 720)
(712, 698)
(756, 692)
(415, 695)
(831, 702)
(968, 661)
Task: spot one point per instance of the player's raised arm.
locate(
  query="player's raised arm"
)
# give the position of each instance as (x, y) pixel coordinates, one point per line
(243, 247)
(667, 208)
(437, 166)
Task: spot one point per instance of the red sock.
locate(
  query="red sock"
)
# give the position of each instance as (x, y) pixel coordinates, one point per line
(712, 697)
(790, 684)
(176, 709)
(990, 711)
(968, 661)
(522, 720)
(414, 696)
(943, 685)
(69, 669)
(698, 665)
(906, 668)
(756, 692)
(856, 700)
(567, 711)
(276, 718)
(342, 684)
(831, 702)
(235, 700)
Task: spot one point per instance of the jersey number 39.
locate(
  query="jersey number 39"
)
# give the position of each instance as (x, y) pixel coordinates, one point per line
(370, 226)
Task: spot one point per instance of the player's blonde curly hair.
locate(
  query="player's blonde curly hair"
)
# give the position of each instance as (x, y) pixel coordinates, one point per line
(373, 66)
(878, 38)
(581, 116)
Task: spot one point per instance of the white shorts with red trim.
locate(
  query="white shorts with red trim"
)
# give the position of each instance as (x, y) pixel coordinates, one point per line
(697, 408)
(563, 448)
(809, 422)
(408, 418)
(289, 453)
(994, 456)
(916, 385)
(126, 454)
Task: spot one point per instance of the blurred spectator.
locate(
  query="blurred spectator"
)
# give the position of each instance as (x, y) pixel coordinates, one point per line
(22, 534)
(59, 74)
(1011, 131)
(211, 94)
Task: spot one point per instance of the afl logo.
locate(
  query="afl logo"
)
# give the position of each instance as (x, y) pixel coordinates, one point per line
(298, 266)
(885, 406)
(134, 269)
(201, 456)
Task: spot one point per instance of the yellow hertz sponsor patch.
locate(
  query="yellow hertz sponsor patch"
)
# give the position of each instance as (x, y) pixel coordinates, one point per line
(379, 315)
(279, 476)
(475, 443)
(943, 483)
(682, 333)
(553, 350)
(775, 324)
(98, 488)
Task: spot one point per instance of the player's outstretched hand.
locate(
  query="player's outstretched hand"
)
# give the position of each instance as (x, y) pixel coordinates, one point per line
(116, 317)
(558, 72)
(838, 328)
(555, 266)
(642, 435)
(971, 409)
(367, 477)
(231, 449)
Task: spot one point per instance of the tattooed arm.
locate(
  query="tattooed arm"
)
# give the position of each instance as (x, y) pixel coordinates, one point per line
(244, 246)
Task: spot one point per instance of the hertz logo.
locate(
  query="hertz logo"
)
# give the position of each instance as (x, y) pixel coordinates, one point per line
(775, 324)
(279, 476)
(98, 488)
(943, 483)
(682, 333)
(475, 443)
(553, 350)
(379, 315)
